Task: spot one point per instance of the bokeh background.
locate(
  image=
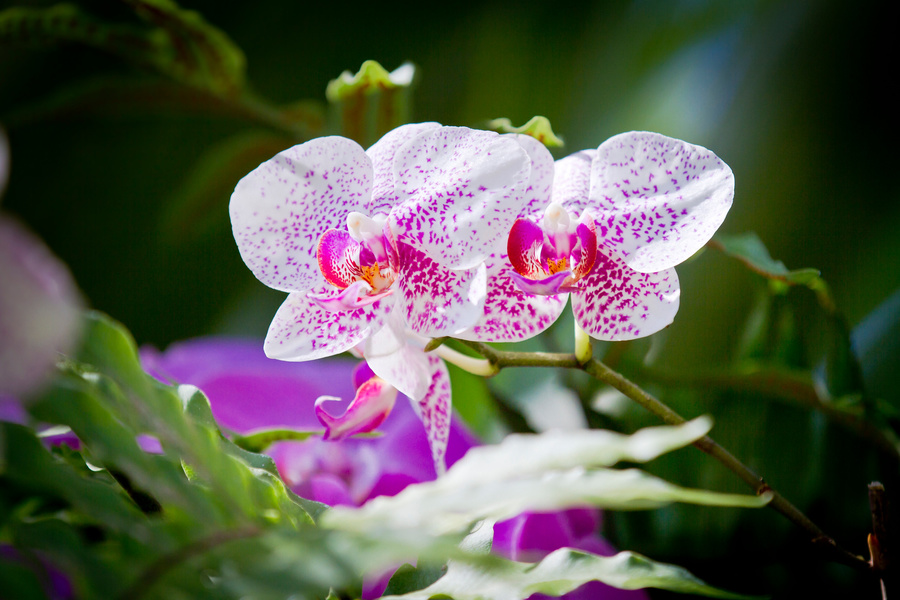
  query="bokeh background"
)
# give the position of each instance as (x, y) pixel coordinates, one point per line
(131, 190)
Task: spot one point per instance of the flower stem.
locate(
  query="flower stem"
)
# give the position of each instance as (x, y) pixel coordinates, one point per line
(501, 359)
(476, 366)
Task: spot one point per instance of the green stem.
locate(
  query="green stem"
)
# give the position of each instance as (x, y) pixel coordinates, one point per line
(601, 372)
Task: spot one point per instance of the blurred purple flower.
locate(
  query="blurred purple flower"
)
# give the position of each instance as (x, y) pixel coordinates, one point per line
(248, 391)
(39, 304)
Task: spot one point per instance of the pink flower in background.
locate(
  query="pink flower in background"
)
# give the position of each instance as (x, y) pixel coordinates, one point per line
(40, 306)
(247, 391)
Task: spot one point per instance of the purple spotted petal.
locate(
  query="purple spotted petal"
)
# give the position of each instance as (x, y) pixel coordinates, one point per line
(548, 286)
(657, 200)
(522, 246)
(280, 210)
(586, 230)
(614, 302)
(460, 191)
(509, 314)
(382, 152)
(355, 296)
(338, 256)
(302, 330)
(572, 181)
(436, 301)
(398, 358)
(540, 184)
(435, 410)
(370, 407)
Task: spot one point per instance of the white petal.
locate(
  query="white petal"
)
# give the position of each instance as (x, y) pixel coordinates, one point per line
(436, 301)
(281, 209)
(537, 194)
(435, 410)
(510, 315)
(618, 303)
(302, 330)
(460, 191)
(657, 200)
(381, 153)
(398, 358)
(572, 181)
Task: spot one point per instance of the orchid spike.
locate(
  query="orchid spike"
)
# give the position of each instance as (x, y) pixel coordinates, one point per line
(370, 407)
(618, 220)
(403, 227)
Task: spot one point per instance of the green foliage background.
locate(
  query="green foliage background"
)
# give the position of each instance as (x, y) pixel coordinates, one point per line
(126, 176)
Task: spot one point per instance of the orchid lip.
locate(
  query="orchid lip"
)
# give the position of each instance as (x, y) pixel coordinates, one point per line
(549, 286)
(372, 404)
(354, 296)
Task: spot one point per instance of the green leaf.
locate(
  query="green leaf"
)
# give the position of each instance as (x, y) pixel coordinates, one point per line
(538, 127)
(410, 579)
(559, 573)
(179, 44)
(750, 250)
(370, 103)
(551, 471)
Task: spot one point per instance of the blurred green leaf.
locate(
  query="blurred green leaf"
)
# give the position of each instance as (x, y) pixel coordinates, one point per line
(749, 249)
(180, 45)
(552, 471)
(559, 573)
(410, 579)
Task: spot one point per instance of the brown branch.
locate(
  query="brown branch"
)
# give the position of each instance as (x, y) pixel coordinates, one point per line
(601, 372)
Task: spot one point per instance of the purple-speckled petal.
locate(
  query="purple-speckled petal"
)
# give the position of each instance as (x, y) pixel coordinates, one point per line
(338, 257)
(435, 409)
(537, 194)
(355, 296)
(397, 358)
(460, 190)
(370, 407)
(547, 286)
(522, 246)
(510, 315)
(572, 181)
(586, 230)
(302, 330)
(436, 301)
(657, 200)
(281, 209)
(614, 302)
(381, 153)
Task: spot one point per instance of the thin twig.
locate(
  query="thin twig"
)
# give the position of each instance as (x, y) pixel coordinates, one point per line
(601, 372)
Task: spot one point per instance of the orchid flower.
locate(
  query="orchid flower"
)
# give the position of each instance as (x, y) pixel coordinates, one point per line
(397, 232)
(354, 235)
(617, 221)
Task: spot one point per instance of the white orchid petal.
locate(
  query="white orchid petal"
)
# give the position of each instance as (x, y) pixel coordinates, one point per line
(397, 358)
(436, 301)
(540, 184)
(615, 302)
(281, 209)
(435, 409)
(460, 191)
(572, 181)
(382, 152)
(509, 314)
(657, 200)
(302, 330)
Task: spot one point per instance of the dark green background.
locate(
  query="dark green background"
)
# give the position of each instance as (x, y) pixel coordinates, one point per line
(794, 96)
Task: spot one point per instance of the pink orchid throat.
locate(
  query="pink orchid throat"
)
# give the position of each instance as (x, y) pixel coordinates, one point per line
(551, 258)
(361, 261)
